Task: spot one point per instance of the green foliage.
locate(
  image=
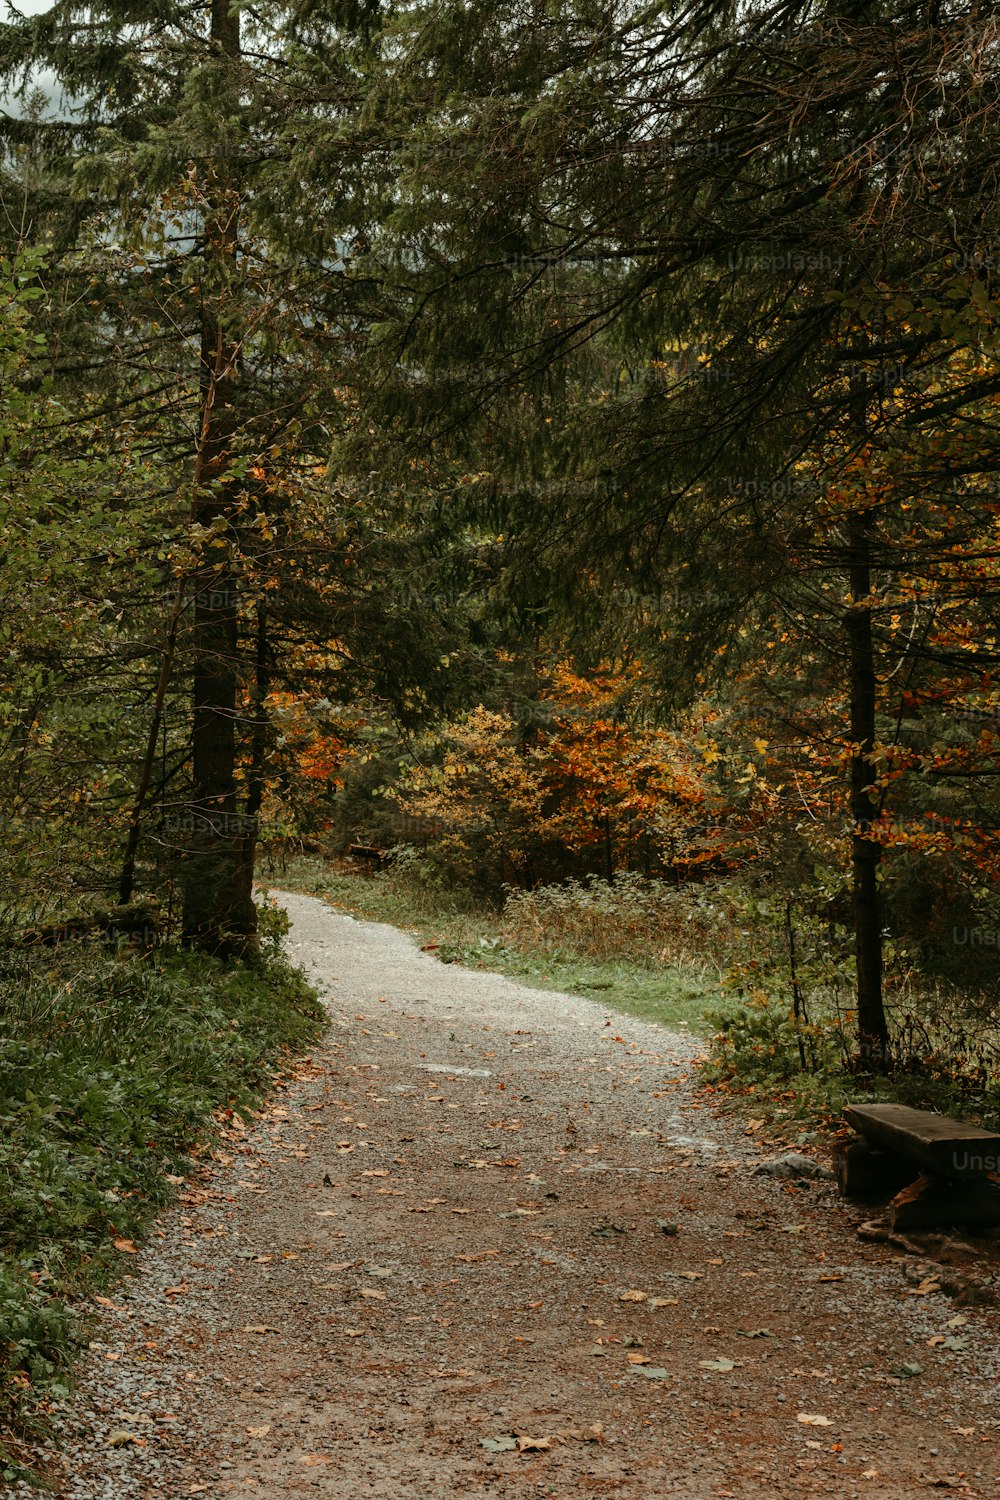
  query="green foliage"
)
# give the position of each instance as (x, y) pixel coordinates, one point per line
(111, 1070)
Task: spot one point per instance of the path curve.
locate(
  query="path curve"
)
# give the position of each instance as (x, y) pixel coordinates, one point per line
(455, 1225)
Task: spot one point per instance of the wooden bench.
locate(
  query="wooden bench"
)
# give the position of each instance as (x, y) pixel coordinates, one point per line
(942, 1171)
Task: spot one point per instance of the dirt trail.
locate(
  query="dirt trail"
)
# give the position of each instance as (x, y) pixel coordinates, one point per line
(450, 1228)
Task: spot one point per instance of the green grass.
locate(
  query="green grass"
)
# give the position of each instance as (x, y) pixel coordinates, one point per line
(462, 931)
(709, 961)
(112, 1070)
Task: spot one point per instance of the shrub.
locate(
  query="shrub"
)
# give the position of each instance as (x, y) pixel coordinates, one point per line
(110, 1071)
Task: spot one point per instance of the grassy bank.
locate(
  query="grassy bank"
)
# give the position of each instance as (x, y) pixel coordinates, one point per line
(112, 1069)
(711, 960)
(617, 965)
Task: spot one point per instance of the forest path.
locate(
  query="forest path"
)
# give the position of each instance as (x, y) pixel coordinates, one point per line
(448, 1227)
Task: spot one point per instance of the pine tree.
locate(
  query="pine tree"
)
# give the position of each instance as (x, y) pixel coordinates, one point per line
(704, 245)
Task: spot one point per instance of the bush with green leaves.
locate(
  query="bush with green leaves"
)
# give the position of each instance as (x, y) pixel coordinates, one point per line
(111, 1069)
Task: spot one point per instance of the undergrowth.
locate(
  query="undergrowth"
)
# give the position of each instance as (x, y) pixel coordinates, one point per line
(765, 978)
(111, 1070)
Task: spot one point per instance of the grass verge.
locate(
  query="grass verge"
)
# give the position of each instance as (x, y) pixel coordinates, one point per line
(710, 961)
(111, 1071)
(460, 930)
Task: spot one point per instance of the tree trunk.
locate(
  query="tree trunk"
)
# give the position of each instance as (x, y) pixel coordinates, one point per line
(866, 852)
(219, 913)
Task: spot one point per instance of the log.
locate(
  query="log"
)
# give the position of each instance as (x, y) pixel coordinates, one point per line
(949, 1148)
(367, 853)
(935, 1203)
(865, 1172)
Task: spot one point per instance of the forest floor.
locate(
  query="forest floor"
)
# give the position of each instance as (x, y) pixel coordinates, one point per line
(493, 1240)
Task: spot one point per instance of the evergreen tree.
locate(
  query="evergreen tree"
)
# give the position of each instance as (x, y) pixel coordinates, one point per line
(776, 224)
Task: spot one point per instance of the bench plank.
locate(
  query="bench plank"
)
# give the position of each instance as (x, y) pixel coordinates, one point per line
(951, 1148)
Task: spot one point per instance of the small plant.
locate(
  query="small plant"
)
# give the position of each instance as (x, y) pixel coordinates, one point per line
(111, 1070)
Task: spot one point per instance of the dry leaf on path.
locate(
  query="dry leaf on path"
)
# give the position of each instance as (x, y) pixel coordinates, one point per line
(809, 1420)
(127, 1246)
(632, 1296)
(534, 1445)
(592, 1434)
(259, 1328)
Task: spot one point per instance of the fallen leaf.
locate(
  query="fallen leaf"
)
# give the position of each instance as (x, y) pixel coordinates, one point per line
(664, 1302)
(638, 1359)
(121, 1437)
(259, 1328)
(592, 1434)
(498, 1444)
(718, 1364)
(691, 1275)
(809, 1420)
(259, 1431)
(755, 1333)
(368, 1291)
(313, 1460)
(534, 1445)
(632, 1296)
(127, 1246)
(925, 1288)
(651, 1372)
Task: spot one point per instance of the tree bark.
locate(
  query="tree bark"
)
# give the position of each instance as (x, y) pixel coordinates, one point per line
(219, 915)
(866, 852)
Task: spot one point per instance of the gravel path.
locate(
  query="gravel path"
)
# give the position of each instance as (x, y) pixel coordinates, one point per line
(491, 1241)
